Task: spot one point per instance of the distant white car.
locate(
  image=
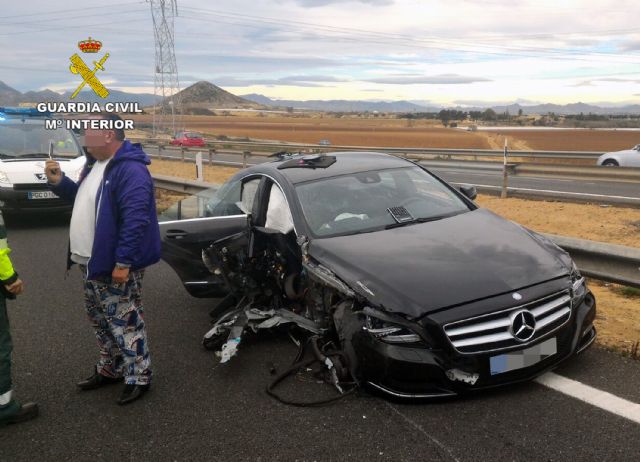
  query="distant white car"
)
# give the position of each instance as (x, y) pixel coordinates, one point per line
(626, 158)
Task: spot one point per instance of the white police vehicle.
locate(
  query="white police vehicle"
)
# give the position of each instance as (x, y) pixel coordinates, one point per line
(24, 148)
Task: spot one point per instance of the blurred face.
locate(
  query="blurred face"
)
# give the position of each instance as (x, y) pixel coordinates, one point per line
(100, 143)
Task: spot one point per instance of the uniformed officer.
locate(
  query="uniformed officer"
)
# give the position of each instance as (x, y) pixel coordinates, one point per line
(11, 411)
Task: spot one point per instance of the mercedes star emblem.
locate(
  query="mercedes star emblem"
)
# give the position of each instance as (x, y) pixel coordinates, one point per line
(523, 325)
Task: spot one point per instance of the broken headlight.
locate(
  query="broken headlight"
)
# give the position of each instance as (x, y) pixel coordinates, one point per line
(390, 333)
(578, 282)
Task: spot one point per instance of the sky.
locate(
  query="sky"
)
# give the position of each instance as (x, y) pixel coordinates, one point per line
(439, 52)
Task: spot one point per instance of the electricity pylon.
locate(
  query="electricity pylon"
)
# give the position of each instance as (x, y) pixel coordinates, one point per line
(166, 82)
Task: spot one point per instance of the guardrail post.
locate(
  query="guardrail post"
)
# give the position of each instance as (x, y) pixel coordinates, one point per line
(211, 153)
(245, 156)
(160, 148)
(182, 152)
(505, 172)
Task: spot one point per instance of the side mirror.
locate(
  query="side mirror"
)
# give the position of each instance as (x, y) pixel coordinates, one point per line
(470, 191)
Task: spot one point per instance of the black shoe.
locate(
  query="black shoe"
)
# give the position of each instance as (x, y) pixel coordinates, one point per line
(27, 411)
(96, 381)
(132, 393)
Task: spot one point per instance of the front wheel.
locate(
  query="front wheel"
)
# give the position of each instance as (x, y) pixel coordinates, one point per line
(611, 163)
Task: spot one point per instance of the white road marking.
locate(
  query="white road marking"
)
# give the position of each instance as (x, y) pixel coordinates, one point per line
(601, 399)
(422, 430)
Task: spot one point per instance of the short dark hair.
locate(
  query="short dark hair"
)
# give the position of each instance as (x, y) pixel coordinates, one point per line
(112, 116)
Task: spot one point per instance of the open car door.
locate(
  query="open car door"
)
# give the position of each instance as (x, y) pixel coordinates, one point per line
(190, 226)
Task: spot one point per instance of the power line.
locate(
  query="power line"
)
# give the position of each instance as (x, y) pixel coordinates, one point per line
(50, 12)
(73, 26)
(437, 44)
(48, 20)
(279, 21)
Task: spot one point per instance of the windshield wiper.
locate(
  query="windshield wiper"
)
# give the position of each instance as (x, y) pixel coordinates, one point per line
(36, 155)
(420, 220)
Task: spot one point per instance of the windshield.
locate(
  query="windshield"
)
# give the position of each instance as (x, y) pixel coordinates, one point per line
(193, 135)
(360, 202)
(29, 139)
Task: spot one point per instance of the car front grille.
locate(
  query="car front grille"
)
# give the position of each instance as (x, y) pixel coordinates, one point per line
(492, 332)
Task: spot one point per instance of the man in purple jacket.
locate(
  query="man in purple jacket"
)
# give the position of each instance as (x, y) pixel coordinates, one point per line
(114, 235)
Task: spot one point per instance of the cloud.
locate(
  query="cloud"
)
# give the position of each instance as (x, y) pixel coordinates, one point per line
(297, 81)
(442, 79)
(630, 45)
(592, 82)
(317, 3)
(311, 78)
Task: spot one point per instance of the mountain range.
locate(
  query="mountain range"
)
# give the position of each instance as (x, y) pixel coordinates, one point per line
(12, 97)
(205, 97)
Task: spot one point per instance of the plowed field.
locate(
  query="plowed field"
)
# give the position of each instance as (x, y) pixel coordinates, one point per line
(380, 132)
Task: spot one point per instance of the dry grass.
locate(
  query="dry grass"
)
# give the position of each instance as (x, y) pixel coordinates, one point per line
(584, 221)
(618, 320)
(212, 174)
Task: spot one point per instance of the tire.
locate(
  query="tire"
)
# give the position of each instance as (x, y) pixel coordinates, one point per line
(611, 163)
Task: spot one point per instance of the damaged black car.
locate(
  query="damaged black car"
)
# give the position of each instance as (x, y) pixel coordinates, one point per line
(424, 293)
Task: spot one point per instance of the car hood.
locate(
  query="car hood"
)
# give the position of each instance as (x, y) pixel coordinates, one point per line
(624, 152)
(25, 170)
(421, 268)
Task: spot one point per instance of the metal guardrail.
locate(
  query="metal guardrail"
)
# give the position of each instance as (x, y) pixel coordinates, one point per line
(605, 262)
(598, 260)
(211, 157)
(433, 156)
(180, 185)
(270, 146)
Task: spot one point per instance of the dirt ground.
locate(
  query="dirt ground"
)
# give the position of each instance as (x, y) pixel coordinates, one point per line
(618, 320)
(389, 132)
(567, 139)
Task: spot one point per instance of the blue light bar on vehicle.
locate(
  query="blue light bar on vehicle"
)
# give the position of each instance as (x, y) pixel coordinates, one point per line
(22, 111)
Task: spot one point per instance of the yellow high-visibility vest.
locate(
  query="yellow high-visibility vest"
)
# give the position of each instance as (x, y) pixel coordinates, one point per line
(6, 268)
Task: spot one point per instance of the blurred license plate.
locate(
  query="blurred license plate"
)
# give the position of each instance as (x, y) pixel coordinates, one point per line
(523, 358)
(41, 195)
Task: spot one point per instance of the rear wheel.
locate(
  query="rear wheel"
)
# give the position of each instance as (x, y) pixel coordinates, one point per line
(611, 163)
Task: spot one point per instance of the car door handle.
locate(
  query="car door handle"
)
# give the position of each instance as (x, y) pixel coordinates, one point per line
(175, 234)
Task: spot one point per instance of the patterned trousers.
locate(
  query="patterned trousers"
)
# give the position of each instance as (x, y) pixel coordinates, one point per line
(117, 317)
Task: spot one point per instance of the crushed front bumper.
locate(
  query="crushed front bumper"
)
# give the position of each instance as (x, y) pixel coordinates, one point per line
(409, 372)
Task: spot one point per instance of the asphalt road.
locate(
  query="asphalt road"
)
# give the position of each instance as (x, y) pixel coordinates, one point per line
(477, 177)
(198, 410)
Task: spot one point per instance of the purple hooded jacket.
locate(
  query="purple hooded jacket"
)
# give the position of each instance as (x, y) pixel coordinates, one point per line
(126, 223)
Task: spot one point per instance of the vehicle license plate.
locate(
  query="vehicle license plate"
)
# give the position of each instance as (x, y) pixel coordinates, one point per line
(41, 195)
(523, 358)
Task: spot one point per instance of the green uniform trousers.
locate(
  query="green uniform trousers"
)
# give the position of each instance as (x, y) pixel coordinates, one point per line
(8, 406)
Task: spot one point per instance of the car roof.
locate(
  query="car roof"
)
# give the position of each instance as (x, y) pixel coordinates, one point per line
(346, 163)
